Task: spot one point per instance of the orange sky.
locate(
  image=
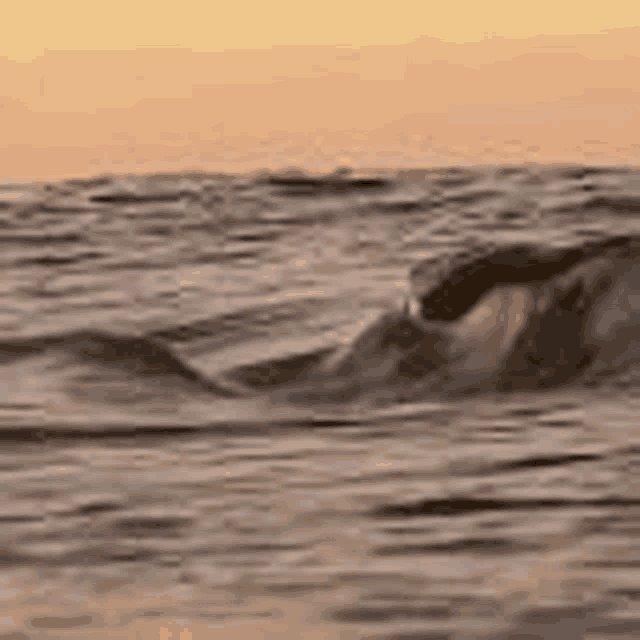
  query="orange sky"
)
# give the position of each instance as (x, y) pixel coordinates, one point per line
(141, 86)
(33, 25)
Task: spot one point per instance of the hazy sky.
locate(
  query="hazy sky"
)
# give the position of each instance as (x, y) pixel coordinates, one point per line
(160, 85)
(30, 26)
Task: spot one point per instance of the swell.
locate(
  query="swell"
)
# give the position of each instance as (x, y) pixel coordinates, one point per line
(527, 264)
(143, 356)
(576, 291)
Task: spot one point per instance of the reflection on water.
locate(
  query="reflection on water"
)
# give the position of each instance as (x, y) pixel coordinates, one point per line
(442, 519)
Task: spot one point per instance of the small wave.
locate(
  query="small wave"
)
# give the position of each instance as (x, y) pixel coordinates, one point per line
(140, 355)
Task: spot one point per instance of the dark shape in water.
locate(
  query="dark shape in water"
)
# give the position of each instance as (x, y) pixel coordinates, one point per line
(336, 182)
(558, 343)
(473, 275)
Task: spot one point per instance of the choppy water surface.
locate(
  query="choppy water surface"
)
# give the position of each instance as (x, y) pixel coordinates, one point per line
(140, 502)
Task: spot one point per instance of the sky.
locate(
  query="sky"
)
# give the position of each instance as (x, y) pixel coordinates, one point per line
(30, 26)
(166, 85)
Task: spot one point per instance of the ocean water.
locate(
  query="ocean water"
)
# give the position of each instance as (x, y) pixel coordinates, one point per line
(159, 481)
